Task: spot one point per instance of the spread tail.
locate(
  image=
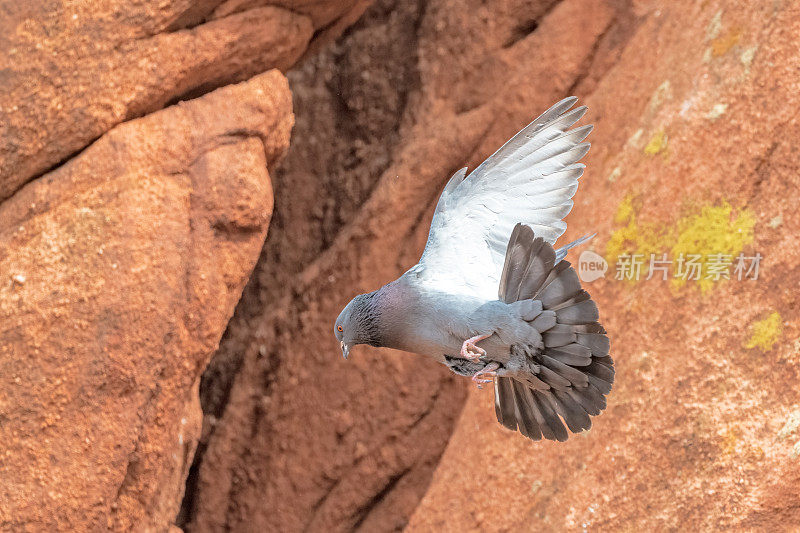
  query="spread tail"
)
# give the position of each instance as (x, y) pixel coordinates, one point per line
(575, 372)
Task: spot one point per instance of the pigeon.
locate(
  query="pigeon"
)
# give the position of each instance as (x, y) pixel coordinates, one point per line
(491, 298)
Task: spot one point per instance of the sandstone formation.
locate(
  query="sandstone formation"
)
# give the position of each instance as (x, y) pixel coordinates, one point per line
(295, 436)
(699, 113)
(175, 208)
(125, 244)
(693, 106)
(118, 274)
(71, 71)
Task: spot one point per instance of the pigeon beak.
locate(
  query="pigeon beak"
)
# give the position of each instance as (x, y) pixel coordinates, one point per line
(345, 349)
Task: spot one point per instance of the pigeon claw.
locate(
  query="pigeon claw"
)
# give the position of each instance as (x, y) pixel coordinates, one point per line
(486, 375)
(472, 352)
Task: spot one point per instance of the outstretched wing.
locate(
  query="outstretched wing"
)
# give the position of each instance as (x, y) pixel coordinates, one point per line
(530, 179)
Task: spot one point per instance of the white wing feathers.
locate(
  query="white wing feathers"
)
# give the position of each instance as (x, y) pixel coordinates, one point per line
(530, 179)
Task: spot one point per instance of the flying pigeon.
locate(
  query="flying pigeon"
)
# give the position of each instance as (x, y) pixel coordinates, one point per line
(491, 298)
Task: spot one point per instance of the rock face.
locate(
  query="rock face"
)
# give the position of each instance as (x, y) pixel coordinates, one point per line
(120, 268)
(118, 274)
(694, 108)
(121, 263)
(70, 72)
(694, 150)
(294, 435)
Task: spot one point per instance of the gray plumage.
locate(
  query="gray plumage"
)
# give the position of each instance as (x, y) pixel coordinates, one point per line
(548, 352)
(574, 363)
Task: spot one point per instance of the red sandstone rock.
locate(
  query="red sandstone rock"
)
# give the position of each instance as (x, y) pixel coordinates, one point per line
(68, 73)
(118, 274)
(307, 441)
(698, 433)
(695, 105)
(701, 430)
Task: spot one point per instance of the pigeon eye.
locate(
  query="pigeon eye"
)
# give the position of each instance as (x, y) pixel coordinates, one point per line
(339, 329)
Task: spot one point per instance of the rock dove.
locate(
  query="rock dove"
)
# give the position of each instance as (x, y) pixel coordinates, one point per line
(491, 298)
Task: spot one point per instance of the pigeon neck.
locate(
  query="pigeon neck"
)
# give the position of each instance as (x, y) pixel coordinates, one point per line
(368, 314)
(391, 315)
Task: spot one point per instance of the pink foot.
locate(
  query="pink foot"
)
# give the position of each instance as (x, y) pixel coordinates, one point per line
(486, 375)
(472, 352)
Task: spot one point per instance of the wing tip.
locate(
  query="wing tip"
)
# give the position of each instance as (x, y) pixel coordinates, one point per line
(569, 99)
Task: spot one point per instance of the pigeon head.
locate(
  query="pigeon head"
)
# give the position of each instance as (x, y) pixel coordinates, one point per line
(358, 323)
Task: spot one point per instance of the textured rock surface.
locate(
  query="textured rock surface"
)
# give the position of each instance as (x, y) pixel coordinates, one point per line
(696, 112)
(303, 439)
(296, 436)
(118, 274)
(701, 429)
(71, 71)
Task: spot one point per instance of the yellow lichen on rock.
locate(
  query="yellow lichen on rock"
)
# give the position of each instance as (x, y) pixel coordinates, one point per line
(625, 212)
(657, 143)
(711, 238)
(634, 238)
(765, 332)
(713, 233)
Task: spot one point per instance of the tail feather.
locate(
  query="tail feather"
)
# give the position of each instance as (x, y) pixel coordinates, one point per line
(524, 411)
(574, 369)
(561, 253)
(504, 403)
